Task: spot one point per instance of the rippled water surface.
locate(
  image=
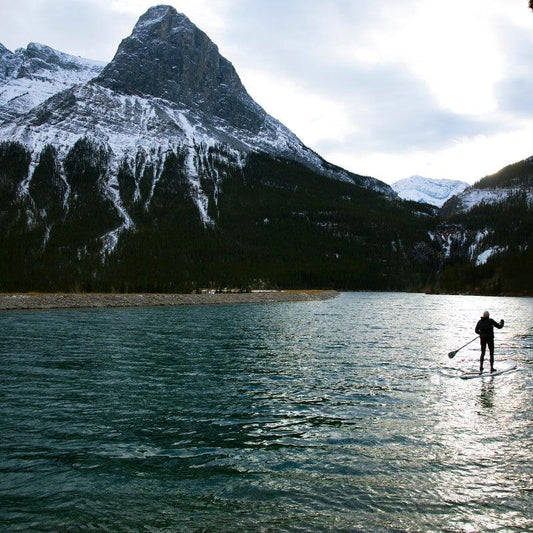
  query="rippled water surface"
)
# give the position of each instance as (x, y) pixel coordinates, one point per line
(341, 415)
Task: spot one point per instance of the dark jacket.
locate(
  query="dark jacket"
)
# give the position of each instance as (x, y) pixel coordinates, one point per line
(485, 327)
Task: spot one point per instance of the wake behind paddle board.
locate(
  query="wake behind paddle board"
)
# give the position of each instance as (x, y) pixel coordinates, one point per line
(501, 368)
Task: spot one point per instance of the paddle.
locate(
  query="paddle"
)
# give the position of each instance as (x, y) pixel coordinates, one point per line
(451, 355)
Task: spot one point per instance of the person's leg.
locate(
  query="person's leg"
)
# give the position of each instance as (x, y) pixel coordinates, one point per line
(482, 358)
(490, 344)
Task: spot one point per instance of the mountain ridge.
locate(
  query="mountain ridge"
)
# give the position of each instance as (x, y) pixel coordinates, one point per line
(429, 190)
(112, 183)
(31, 75)
(486, 234)
(497, 188)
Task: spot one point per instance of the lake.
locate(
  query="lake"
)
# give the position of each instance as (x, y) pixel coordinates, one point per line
(337, 415)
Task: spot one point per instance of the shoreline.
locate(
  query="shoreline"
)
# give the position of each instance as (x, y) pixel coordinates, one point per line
(36, 301)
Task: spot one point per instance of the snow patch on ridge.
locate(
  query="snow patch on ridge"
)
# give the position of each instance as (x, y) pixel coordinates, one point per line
(474, 197)
(483, 257)
(199, 198)
(428, 190)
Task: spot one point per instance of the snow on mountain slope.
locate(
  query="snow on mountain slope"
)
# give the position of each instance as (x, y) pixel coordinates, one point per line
(31, 75)
(472, 197)
(126, 125)
(428, 190)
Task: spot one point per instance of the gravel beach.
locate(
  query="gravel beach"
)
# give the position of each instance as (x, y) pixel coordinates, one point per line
(10, 302)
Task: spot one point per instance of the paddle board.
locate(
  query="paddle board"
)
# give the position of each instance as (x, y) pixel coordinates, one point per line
(501, 368)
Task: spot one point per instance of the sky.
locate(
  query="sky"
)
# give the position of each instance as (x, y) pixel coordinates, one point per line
(389, 89)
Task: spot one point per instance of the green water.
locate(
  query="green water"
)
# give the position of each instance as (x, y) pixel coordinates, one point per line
(341, 415)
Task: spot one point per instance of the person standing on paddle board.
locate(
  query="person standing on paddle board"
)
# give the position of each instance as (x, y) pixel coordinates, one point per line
(485, 330)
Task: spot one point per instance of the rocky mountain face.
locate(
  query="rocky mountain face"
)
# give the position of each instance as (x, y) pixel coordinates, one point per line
(430, 191)
(159, 172)
(167, 86)
(167, 91)
(168, 57)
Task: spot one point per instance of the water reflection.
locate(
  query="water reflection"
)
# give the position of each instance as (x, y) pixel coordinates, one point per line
(481, 427)
(486, 398)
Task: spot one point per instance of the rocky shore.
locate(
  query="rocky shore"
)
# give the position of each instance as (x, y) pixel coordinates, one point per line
(10, 302)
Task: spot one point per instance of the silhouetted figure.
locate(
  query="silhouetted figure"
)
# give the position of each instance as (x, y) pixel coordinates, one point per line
(485, 330)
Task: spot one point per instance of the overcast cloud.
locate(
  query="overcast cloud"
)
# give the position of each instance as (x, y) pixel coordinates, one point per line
(383, 88)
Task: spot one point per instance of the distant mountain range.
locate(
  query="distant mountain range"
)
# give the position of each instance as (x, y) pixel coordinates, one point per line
(428, 190)
(158, 172)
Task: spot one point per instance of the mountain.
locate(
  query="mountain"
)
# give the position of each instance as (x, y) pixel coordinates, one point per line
(158, 172)
(31, 75)
(510, 181)
(428, 190)
(169, 58)
(167, 85)
(487, 234)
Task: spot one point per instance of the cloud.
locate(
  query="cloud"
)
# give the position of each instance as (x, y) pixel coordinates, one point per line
(516, 88)
(77, 27)
(385, 106)
(395, 81)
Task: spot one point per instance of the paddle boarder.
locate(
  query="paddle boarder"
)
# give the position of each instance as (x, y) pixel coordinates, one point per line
(485, 330)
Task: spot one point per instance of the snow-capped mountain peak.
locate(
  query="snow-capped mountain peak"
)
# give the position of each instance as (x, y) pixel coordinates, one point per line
(31, 75)
(168, 57)
(174, 69)
(428, 190)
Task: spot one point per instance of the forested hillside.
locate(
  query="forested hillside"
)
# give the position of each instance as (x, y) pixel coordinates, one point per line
(491, 242)
(276, 224)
